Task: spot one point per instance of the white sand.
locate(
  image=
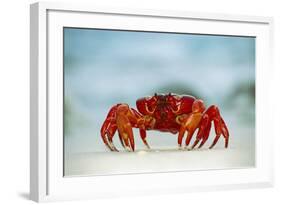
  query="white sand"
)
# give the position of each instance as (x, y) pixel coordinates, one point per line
(163, 156)
(156, 161)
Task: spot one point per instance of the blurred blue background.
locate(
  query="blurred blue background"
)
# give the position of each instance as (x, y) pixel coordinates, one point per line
(105, 67)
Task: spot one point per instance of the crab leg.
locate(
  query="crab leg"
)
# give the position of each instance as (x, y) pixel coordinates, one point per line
(180, 136)
(188, 138)
(140, 123)
(143, 137)
(226, 133)
(219, 124)
(220, 129)
(121, 140)
(203, 127)
(205, 135)
(108, 128)
(110, 142)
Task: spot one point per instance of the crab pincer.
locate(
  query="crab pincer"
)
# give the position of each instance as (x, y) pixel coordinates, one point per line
(121, 119)
(190, 122)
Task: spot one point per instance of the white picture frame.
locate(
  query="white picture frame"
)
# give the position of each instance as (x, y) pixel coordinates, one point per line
(46, 179)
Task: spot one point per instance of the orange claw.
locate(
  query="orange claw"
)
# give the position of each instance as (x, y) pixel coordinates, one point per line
(123, 119)
(203, 127)
(190, 122)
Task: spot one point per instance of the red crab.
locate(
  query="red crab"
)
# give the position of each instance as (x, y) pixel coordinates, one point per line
(166, 113)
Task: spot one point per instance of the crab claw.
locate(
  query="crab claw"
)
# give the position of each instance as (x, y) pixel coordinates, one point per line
(124, 126)
(203, 132)
(120, 118)
(190, 122)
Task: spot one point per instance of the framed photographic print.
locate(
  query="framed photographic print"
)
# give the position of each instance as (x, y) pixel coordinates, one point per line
(127, 97)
